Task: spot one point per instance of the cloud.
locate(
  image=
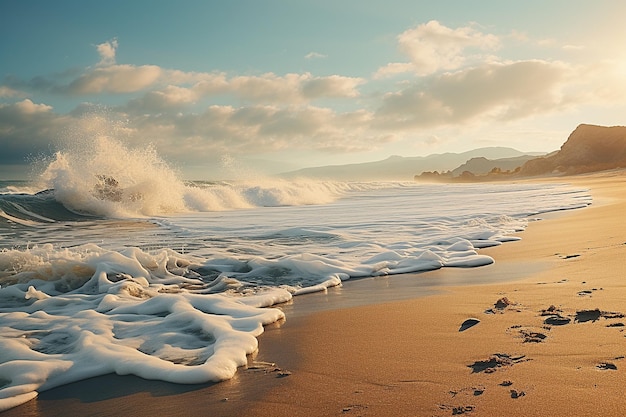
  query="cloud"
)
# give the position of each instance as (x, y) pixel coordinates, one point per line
(170, 98)
(314, 55)
(495, 90)
(573, 47)
(292, 88)
(392, 69)
(26, 129)
(254, 129)
(107, 52)
(432, 47)
(27, 107)
(8, 92)
(331, 86)
(171, 88)
(115, 79)
(267, 88)
(451, 80)
(216, 80)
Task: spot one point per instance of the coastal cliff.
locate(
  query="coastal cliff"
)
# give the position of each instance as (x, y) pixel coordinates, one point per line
(589, 148)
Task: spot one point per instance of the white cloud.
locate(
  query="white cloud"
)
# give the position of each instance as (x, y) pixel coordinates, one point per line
(107, 51)
(394, 68)
(28, 107)
(432, 46)
(250, 130)
(332, 86)
(292, 88)
(115, 79)
(170, 98)
(268, 87)
(26, 129)
(171, 88)
(8, 92)
(495, 90)
(192, 116)
(315, 55)
(573, 47)
(178, 77)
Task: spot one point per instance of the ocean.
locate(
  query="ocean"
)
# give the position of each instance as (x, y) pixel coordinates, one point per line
(110, 263)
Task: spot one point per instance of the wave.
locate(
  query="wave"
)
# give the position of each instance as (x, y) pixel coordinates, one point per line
(129, 303)
(35, 209)
(106, 197)
(112, 180)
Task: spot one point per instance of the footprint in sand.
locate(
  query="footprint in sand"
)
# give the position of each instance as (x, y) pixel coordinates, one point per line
(528, 335)
(557, 320)
(457, 409)
(606, 366)
(497, 360)
(353, 408)
(594, 315)
(517, 394)
(471, 391)
(609, 366)
(500, 306)
(532, 337)
(468, 323)
(554, 316)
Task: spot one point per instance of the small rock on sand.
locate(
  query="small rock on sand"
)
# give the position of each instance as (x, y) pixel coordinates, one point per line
(503, 303)
(517, 394)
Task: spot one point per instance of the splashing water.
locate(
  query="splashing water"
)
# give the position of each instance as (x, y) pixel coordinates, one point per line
(112, 180)
(85, 296)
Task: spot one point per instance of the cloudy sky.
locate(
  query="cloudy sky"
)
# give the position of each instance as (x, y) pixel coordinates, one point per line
(277, 85)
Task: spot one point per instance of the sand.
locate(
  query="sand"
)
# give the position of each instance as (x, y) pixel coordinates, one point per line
(408, 358)
(547, 340)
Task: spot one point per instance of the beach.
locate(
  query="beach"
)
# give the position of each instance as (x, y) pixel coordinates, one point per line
(519, 360)
(415, 361)
(548, 338)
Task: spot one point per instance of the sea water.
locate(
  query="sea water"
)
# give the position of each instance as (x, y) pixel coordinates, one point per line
(109, 263)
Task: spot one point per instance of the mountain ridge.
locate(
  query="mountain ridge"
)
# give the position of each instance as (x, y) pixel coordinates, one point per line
(403, 168)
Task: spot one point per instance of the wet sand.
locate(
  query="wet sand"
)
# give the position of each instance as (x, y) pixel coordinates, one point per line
(549, 339)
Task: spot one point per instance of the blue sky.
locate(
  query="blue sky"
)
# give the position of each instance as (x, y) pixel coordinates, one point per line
(279, 85)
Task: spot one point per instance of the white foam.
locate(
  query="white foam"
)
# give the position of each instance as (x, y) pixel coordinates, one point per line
(127, 317)
(110, 179)
(69, 311)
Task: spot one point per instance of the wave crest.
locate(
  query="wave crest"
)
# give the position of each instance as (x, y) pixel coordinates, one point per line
(112, 180)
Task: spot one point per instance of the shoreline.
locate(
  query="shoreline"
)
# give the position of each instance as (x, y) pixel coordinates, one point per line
(407, 356)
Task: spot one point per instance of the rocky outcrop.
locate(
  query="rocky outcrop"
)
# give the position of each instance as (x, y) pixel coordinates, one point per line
(483, 166)
(589, 148)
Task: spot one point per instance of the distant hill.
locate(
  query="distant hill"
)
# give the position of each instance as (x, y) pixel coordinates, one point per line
(403, 168)
(482, 165)
(589, 148)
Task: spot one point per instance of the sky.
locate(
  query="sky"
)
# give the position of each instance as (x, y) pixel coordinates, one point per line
(215, 87)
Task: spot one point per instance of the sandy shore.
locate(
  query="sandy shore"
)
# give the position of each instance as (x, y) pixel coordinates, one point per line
(408, 358)
(553, 346)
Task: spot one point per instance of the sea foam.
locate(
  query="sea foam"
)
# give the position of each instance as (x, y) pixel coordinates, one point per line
(110, 179)
(88, 311)
(118, 266)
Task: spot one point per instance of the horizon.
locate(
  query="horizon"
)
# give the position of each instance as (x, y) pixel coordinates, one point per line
(278, 87)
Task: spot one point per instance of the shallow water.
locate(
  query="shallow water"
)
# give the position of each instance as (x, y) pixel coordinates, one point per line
(174, 282)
